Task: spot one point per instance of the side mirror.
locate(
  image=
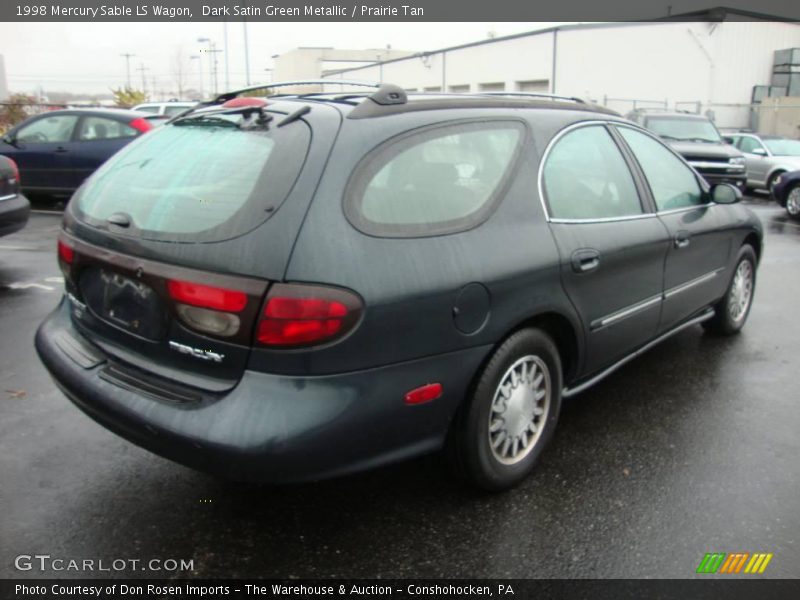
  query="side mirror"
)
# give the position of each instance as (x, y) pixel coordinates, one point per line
(759, 152)
(725, 193)
(728, 140)
(10, 140)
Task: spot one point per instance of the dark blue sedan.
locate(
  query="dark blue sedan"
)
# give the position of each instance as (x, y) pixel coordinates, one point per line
(57, 150)
(786, 192)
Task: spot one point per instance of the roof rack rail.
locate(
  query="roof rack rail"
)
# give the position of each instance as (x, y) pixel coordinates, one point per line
(275, 84)
(534, 95)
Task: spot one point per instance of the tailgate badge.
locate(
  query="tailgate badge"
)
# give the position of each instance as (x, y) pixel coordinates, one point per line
(197, 352)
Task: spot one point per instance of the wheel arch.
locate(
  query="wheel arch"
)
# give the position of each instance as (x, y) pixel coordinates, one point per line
(752, 239)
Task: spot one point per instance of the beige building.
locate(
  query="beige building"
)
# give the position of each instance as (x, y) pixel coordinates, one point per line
(314, 63)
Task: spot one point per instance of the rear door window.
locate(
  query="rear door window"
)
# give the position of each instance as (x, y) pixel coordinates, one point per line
(586, 177)
(434, 181)
(204, 178)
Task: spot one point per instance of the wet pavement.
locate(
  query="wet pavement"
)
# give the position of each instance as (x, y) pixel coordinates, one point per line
(692, 448)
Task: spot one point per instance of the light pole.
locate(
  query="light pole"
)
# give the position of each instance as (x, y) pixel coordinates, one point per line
(128, 57)
(246, 54)
(212, 59)
(199, 60)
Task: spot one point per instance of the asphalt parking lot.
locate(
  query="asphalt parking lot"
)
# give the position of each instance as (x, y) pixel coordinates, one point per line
(692, 448)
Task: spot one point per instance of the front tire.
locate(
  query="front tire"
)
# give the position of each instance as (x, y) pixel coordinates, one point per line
(793, 202)
(511, 414)
(732, 310)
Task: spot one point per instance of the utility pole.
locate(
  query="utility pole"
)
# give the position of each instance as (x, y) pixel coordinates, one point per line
(128, 57)
(246, 54)
(142, 69)
(225, 48)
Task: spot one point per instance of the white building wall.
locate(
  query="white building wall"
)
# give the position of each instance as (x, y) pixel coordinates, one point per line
(710, 63)
(657, 62)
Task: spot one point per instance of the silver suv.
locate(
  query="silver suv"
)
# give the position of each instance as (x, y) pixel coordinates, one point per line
(767, 157)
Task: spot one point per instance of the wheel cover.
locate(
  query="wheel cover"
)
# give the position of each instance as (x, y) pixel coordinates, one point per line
(793, 202)
(519, 409)
(741, 291)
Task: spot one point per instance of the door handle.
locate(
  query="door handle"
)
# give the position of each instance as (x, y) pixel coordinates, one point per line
(61, 149)
(585, 260)
(682, 239)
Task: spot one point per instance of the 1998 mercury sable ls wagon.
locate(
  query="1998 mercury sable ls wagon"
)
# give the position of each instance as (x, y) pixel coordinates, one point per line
(302, 286)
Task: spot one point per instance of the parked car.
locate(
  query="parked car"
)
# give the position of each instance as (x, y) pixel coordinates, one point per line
(14, 207)
(767, 157)
(57, 150)
(697, 139)
(786, 192)
(168, 109)
(294, 288)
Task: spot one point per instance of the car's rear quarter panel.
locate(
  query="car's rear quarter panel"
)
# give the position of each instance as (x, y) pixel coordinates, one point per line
(410, 286)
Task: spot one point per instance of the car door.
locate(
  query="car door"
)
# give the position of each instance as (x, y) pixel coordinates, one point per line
(96, 140)
(700, 245)
(41, 148)
(756, 158)
(611, 246)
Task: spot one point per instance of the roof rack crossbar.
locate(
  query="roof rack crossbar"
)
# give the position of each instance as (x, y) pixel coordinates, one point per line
(275, 84)
(534, 95)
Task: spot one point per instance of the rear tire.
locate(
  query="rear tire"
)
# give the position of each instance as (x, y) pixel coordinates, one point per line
(771, 184)
(732, 310)
(511, 413)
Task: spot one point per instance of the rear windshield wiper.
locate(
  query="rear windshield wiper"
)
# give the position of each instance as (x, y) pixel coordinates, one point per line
(248, 123)
(205, 121)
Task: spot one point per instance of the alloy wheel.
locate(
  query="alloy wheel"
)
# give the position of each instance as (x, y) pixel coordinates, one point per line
(741, 291)
(519, 409)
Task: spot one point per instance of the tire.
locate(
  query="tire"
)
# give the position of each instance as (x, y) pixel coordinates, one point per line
(771, 184)
(528, 412)
(793, 201)
(730, 313)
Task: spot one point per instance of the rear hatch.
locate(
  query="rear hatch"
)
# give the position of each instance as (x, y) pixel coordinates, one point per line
(168, 250)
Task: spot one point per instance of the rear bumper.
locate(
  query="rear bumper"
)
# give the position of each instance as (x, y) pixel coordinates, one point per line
(272, 428)
(14, 214)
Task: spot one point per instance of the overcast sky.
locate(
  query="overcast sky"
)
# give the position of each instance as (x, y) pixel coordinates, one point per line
(85, 57)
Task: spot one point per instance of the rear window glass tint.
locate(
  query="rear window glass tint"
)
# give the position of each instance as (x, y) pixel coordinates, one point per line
(191, 179)
(438, 180)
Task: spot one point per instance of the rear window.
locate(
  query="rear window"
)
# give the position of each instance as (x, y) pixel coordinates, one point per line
(202, 179)
(434, 181)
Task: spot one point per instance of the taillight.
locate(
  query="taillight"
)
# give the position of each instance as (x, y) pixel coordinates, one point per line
(15, 170)
(141, 125)
(207, 309)
(206, 296)
(305, 315)
(66, 254)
